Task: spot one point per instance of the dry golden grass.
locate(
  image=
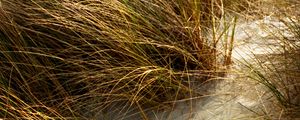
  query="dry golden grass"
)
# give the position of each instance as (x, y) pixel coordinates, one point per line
(70, 55)
(74, 59)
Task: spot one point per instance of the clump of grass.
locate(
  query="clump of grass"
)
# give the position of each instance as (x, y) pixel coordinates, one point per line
(279, 71)
(72, 56)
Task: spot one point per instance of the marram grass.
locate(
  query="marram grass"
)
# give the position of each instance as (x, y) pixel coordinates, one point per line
(84, 59)
(74, 58)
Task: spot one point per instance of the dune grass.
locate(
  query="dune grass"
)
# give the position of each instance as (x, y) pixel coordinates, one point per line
(67, 57)
(83, 59)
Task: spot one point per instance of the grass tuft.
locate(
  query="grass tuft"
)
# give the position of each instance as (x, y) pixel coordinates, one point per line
(76, 55)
